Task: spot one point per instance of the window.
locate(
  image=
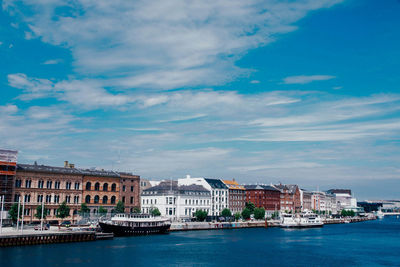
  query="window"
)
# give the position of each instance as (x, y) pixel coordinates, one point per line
(18, 183)
(28, 183)
(68, 185)
(87, 199)
(132, 200)
(49, 183)
(40, 184)
(123, 188)
(77, 186)
(97, 186)
(27, 198)
(88, 186)
(131, 188)
(68, 199)
(105, 200)
(39, 198)
(105, 187)
(123, 200)
(48, 198)
(113, 200)
(57, 184)
(96, 199)
(113, 187)
(76, 199)
(56, 199)
(16, 198)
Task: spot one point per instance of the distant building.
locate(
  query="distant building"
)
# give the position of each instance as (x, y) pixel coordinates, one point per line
(344, 199)
(176, 201)
(237, 196)
(290, 197)
(306, 200)
(219, 192)
(264, 196)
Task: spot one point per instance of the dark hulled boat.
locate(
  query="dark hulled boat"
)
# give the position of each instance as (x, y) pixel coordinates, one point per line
(135, 224)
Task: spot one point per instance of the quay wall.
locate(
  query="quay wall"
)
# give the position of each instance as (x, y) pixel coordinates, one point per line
(45, 238)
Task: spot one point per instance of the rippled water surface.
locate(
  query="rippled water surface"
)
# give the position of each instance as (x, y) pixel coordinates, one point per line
(370, 243)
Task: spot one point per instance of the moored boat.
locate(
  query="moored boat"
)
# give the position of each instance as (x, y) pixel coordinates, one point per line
(303, 220)
(135, 224)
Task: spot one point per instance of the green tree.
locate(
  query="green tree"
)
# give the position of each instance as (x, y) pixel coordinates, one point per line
(120, 208)
(237, 216)
(63, 211)
(136, 210)
(246, 213)
(39, 212)
(250, 206)
(226, 212)
(155, 212)
(102, 210)
(84, 209)
(275, 215)
(259, 213)
(200, 215)
(13, 212)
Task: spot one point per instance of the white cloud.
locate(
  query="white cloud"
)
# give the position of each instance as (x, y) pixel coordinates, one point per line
(51, 62)
(303, 79)
(161, 44)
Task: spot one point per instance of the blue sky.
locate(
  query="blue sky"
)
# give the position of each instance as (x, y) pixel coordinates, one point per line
(263, 91)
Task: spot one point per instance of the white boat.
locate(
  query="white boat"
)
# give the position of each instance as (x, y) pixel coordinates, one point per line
(380, 214)
(302, 220)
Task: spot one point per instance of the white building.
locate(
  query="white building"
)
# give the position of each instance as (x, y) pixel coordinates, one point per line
(344, 199)
(219, 192)
(176, 201)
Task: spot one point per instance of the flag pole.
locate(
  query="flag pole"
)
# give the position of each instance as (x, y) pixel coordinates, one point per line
(19, 206)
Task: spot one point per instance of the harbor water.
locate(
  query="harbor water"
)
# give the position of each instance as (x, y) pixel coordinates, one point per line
(371, 243)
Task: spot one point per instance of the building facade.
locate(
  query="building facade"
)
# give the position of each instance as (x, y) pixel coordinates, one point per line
(306, 200)
(219, 192)
(290, 197)
(237, 196)
(264, 196)
(130, 191)
(178, 202)
(37, 184)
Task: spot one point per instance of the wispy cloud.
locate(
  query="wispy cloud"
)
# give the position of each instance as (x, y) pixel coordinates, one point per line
(51, 62)
(303, 79)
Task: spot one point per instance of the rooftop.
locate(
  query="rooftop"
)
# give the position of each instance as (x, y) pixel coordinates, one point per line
(216, 183)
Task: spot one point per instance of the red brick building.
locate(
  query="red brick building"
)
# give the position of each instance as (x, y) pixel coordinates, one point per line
(237, 196)
(264, 196)
(290, 197)
(130, 191)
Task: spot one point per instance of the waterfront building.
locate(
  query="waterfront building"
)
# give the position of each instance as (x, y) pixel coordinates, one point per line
(8, 163)
(176, 201)
(35, 184)
(344, 198)
(101, 189)
(237, 196)
(219, 192)
(306, 197)
(264, 196)
(290, 197)
(130, 191)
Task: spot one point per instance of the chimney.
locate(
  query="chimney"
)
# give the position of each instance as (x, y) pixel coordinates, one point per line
(66, 164)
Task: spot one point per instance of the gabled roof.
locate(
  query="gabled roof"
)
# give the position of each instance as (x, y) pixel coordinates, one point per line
(233, 185)
(216, 183)
(259, 187)
(167, 186)
(290, 187)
